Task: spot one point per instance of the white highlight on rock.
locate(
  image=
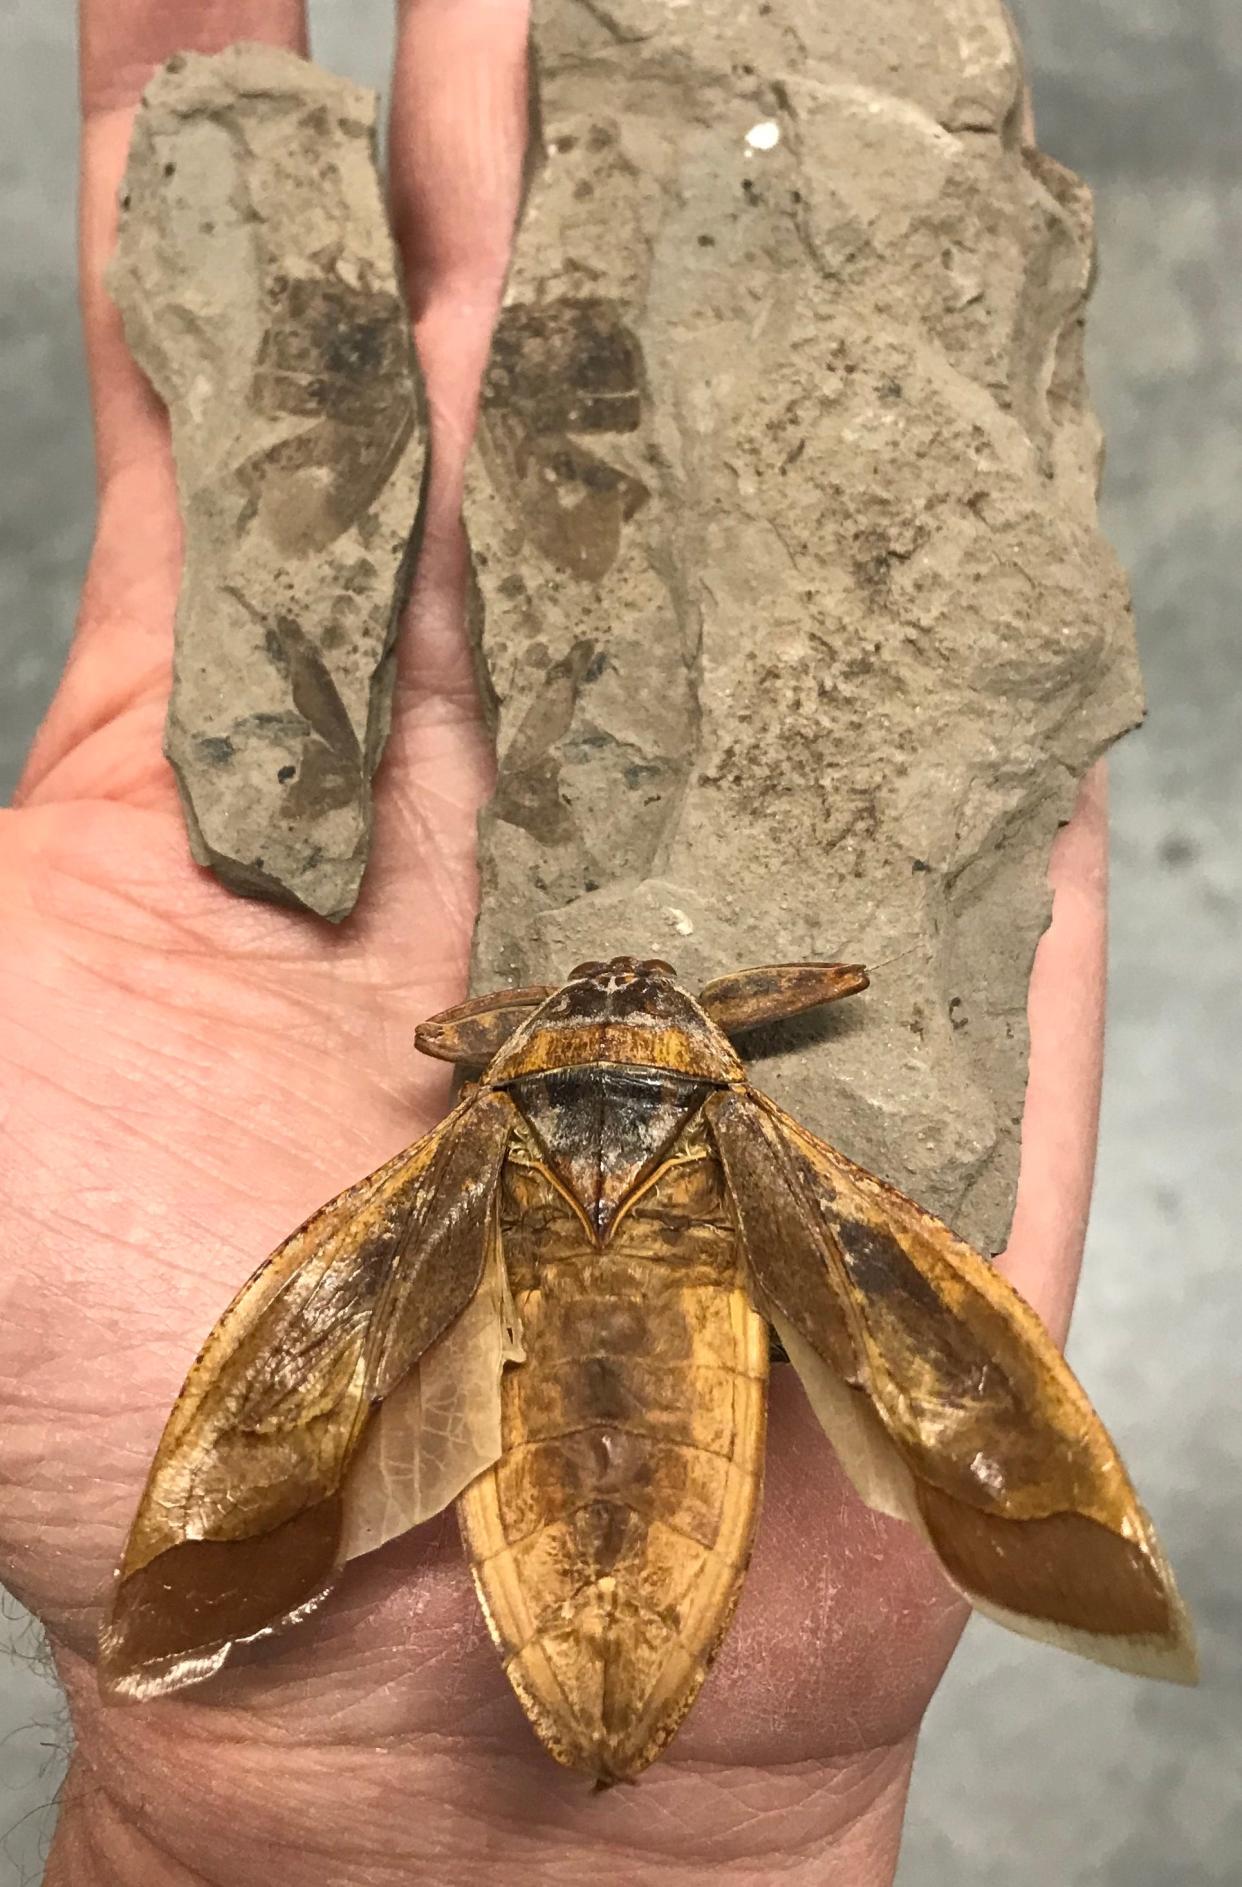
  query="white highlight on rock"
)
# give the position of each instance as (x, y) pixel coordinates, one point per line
(764, 136)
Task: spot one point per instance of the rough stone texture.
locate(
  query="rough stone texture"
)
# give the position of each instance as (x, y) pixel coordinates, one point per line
(257, 278)
(795, 613)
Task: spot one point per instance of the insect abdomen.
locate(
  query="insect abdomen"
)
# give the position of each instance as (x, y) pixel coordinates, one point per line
(610, 1540)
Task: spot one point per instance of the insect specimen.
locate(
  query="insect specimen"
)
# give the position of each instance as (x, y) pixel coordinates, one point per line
(557, 1306)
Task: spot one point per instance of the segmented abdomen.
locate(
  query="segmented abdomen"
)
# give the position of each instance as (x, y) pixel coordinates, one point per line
(609, 1542)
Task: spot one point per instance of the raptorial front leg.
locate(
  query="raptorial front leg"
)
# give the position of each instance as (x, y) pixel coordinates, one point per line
(772, 992)
(473, 1031)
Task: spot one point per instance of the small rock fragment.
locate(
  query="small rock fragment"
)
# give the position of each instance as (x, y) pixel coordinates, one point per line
(258, 283)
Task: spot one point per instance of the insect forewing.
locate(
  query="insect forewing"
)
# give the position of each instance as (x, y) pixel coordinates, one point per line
(948, 1400)
(241, 1523)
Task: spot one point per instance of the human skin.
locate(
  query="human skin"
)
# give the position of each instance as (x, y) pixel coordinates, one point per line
(186, 1075)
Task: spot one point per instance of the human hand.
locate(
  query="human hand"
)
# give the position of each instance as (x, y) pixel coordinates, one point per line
(187, 1075)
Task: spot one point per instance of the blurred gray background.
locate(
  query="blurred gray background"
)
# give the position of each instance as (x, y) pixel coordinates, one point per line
(1033, 1768)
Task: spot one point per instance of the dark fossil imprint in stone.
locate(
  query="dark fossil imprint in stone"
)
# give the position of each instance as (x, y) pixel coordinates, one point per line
(331, 356)
(331, 767)
(558, 1307)
(569, 366)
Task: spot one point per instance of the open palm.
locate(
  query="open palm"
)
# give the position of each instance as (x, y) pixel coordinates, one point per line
(186, 1076)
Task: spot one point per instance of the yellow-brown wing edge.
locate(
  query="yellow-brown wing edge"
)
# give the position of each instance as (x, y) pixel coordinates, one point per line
(947, 1401)
(246, 1516)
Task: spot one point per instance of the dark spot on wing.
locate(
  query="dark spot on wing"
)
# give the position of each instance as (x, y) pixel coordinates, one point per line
(879, 1266)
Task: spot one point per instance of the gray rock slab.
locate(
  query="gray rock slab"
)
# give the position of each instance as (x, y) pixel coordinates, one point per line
(258, 282)
(792, 606)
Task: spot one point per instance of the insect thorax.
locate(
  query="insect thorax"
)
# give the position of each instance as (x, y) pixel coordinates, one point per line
(603, 1130)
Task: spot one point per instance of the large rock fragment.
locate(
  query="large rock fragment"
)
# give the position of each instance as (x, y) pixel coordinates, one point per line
(791, 597)
(258, 283)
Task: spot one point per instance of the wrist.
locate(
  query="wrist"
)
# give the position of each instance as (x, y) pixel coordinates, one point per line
(225, 1804)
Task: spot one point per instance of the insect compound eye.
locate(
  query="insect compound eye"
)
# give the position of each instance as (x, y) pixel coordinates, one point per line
(656, 966)
(587, 969)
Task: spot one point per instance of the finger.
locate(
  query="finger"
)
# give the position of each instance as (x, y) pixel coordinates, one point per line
(1060, 1122)
(122, 650)
(122, 43)
(1061, 1118)
(459, 135)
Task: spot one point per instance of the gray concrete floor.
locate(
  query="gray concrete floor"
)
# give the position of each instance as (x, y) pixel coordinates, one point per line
(1034, 1769)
